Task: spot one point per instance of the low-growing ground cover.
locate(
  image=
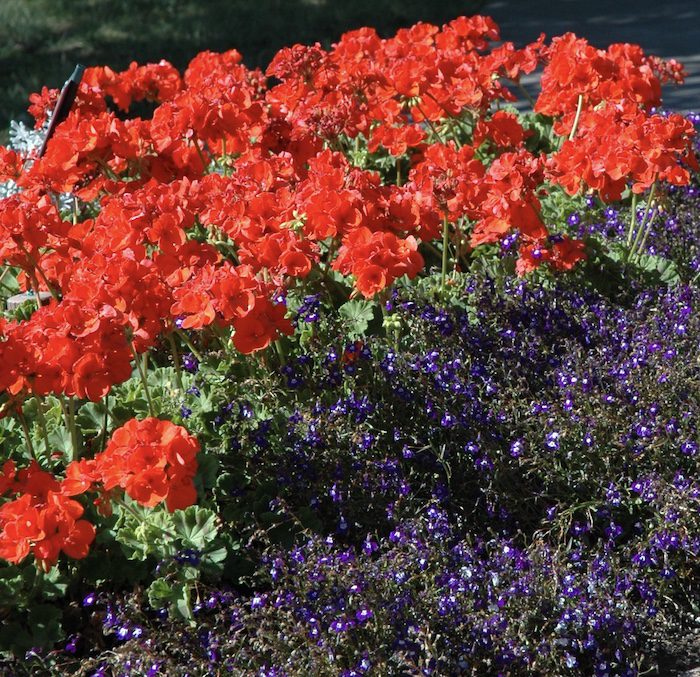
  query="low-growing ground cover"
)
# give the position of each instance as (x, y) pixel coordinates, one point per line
(350, 369)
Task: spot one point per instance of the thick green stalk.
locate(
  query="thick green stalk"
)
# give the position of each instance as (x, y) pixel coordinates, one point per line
(280, 351)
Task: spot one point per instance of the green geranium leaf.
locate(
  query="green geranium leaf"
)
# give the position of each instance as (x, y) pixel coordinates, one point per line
(91, 417)
(357, 315)
(160, 593)
(659, 267)
(133, 547)
(182, 602)
(196, 526)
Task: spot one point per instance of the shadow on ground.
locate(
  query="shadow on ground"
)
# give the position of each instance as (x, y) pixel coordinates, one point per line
(670, 29)
(41, 40)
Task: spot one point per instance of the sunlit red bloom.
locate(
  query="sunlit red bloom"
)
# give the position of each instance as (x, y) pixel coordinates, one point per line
(42, 521)
(153, 461)
(377, 259)
(619, 146)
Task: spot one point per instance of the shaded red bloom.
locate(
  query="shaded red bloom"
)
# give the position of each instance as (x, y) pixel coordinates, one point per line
(502, 129)
(7, 476)
(261, 326)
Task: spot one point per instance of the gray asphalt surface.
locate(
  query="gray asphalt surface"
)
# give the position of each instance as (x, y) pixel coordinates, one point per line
(669, 28)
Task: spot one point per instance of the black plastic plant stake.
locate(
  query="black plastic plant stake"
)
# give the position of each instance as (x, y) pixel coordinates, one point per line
(64, 104)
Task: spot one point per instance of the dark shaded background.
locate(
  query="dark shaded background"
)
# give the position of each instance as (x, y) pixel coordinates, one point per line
(41, 40)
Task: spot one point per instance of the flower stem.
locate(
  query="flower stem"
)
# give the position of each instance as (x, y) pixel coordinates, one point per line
(2, 277)
(52, 291)
(42, 421)
(201, 154)
(280, 351)
(634, 251)
(430, 124)
(633, 219)
(69, 420)
(144, 380)
(224, 157)
(526, 94)
(176, 361)
(189, 344)
(646, 232)
(73, 429)
(445, 247)
(35, 289)
(105, 423)
(579, 107)
(25, 430)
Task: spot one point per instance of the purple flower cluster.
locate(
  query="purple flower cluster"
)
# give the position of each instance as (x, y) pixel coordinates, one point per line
(505, 484)
(422, 600)
(546, 435)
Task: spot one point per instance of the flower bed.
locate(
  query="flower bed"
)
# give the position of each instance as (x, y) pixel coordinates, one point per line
(350, 368)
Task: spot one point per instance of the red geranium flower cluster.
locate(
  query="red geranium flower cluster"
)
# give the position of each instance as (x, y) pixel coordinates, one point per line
(622, 73)
(43, 519)
(237, 188)
(153, 461)
(377, 259)
(497, 198)
(602, 101)
(619, 145)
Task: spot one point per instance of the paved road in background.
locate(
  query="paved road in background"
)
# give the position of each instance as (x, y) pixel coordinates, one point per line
(667, 28)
